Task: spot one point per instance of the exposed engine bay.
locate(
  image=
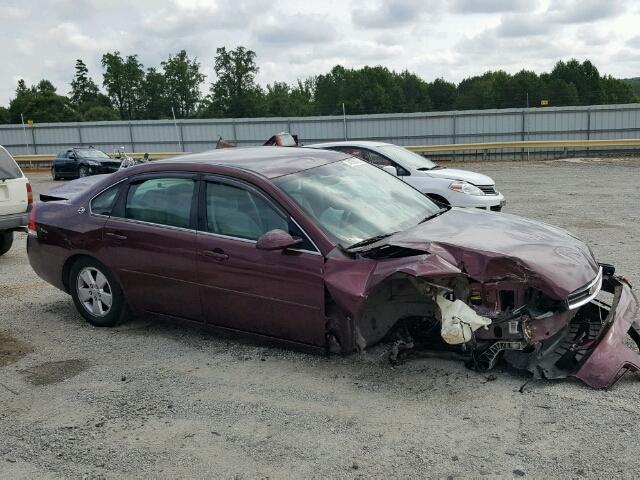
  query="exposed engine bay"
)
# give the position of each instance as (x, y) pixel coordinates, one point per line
(505, 319)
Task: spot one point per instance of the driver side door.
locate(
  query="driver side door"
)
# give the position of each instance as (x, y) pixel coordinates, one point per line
(275, 293)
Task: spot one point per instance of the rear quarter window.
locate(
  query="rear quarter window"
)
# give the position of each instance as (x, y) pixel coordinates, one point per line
(103, 203)
(9, 169)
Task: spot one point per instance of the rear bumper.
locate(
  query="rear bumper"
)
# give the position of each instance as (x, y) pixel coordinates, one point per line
(14, 221)
(610, 358)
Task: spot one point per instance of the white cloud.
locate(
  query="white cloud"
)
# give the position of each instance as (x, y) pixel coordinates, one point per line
(434, 38)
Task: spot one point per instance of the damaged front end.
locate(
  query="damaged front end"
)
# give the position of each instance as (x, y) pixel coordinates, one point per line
(415, 302)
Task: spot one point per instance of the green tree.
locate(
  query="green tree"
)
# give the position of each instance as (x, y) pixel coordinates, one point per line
(5, 115)
(235, 92)
(415, 93)
(123, 79)
(528, 88)
(99, 113)
(182, 83)
(616, 91)
(41, 104)
(86, 97)
(83, 88)
(154, 96)
(442, 94)
(559, 92)
(584, 76)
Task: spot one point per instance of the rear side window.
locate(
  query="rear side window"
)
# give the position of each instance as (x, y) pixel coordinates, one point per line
(165, 201)
(103, 203)
(8, 167)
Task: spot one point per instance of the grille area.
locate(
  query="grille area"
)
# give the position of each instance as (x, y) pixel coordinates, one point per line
(585, 294)
(488, 189)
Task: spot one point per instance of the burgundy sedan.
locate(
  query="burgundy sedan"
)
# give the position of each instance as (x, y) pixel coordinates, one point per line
(322, 250)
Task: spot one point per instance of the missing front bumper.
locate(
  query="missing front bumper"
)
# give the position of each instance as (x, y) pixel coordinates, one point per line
(592, 346)
(610, 358)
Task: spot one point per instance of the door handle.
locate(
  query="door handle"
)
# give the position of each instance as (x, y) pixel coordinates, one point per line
(115, 236)
(216, 254)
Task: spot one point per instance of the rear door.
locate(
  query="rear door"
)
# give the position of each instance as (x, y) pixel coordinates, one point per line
(274, 293)
(150, 241)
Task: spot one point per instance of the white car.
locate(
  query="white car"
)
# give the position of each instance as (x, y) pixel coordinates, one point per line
(447, 186)
(16, 198)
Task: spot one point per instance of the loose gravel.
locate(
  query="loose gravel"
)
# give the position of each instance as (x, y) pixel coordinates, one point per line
(155, 400)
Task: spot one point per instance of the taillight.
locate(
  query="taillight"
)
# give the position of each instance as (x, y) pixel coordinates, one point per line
(29, 194)
(32, 227)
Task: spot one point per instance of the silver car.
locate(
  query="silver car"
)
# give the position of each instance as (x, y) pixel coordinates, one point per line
(448, 186)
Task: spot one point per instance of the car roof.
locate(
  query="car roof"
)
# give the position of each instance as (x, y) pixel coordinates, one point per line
(350, 143)
(270, 162)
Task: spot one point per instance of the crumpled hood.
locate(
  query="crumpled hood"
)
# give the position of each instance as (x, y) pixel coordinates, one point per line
(456, 174)
(490, 247)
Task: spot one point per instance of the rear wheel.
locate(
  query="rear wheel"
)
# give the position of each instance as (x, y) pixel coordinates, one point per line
(6, 240)
(83, 171)
(96, 293)
(54, 175)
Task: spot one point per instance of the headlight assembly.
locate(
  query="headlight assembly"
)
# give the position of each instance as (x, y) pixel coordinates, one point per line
(464, 187)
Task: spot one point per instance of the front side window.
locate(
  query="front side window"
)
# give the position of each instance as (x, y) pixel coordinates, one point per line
(165, 201)
(237, 212)
(352, 201)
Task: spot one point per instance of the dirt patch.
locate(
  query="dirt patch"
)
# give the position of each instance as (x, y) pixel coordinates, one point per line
(12, 349)
(49, 373)
(594, 224)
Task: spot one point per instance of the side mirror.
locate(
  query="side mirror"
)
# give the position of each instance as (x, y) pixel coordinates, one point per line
(277, 240)
(72, 156)
(391, 169)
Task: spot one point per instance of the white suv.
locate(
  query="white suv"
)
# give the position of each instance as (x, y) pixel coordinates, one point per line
(16, 198)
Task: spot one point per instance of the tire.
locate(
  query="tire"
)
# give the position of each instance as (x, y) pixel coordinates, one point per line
(6, 240)
(83, 171)
(54, 175)
(92, 287)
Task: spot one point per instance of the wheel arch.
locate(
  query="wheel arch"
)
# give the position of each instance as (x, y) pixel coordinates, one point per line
(66, 270)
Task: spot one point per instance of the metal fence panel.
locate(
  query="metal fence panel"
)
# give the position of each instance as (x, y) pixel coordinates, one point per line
(431, 128)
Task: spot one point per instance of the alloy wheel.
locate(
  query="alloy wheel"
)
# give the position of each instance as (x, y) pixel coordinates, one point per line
(94, 291)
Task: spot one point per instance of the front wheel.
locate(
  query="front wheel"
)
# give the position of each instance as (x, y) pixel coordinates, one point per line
(83, 171)
(96, 293)
(6, 240)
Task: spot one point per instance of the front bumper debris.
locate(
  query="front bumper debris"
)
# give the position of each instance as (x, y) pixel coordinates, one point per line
(592, 344)
(610, 358)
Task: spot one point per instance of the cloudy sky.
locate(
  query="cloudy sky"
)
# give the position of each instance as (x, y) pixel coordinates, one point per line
(294, 39)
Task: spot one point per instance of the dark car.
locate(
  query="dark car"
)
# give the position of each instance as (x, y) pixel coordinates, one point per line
(322, 250)
(82, 162)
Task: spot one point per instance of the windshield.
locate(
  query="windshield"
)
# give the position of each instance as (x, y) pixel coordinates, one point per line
(91, 153)
(406, 157)
(8, 167)
(353, 201)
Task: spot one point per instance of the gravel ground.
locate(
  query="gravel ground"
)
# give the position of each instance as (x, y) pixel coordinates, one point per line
(154, 400)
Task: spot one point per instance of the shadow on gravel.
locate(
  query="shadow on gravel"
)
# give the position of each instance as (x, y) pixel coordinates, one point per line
(12, 349)
(49, 373)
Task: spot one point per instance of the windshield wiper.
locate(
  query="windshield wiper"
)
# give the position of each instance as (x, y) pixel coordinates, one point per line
(369, 241)
(434, 215)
